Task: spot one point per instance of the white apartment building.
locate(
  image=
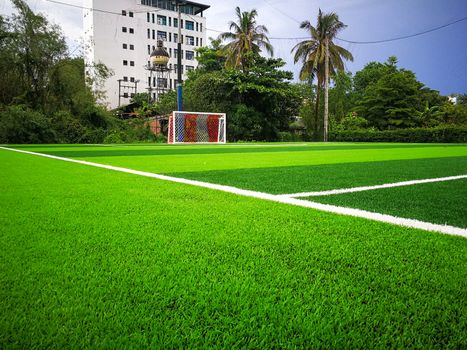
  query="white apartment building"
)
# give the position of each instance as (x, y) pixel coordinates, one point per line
(123, 33)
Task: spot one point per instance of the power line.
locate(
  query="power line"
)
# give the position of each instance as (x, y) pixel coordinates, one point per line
(405, 36)
(283, 13)
(94, 9)
(279, 10)
(368, 42)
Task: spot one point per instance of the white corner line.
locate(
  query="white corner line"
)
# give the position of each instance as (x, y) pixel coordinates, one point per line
(369, 188)
(446, 229)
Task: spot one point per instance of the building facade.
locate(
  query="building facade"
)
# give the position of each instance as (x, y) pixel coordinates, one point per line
(122, 35)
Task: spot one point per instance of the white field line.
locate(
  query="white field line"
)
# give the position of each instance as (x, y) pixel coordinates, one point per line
(376, 187)
(450, 230)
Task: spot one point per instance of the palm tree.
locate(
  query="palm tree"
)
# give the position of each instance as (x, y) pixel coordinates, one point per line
(321, 57)
(246, 37)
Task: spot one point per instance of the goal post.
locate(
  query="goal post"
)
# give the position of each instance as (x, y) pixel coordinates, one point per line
(196, 127)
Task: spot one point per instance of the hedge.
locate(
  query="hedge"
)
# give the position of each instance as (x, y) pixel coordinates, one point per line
(445, 134)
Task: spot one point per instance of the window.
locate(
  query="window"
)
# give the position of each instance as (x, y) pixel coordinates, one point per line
(190, 25)
(201, 27)
(125, 46)
(132, 94)
(200, 41)
(125, 94)
(190, 40)
(149, 49)
(170, 51)
(175, 38)
(125, 78)
(190, 55)
(149, 81)
(153, 34)
(170, 37)
(197, 41)
(161, 20)
(125, 62)
(162, 35)
(170, 21)
(132, 47)
(162, 82)
(149, 33)
(148, 17)
(124, 29)
(197, 26)
(130, 14)
(181, 23)
(123, 13)
(132, 79)
(132, 63)
(153, 18)
(188, 68)
(176, 22)
(132, 31)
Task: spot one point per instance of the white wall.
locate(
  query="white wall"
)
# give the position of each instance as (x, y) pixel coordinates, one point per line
(104, 41)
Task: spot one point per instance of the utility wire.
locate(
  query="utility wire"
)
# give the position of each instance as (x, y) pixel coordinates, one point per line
(405, 36)
(286, 38)
(279, 10)
(94, 9)
(369, 42)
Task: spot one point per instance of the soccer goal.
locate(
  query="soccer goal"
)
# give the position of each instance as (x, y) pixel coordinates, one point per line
(196, 127)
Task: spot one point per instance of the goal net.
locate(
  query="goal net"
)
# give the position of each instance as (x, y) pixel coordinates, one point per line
(195, 127)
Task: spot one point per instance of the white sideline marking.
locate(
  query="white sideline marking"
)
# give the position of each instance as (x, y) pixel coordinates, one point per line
(376, 187)
(450, 230)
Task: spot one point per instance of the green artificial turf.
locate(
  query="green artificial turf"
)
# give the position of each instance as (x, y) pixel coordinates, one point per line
(287, 180)
(189, 158)
(440, 202)
(93, 258)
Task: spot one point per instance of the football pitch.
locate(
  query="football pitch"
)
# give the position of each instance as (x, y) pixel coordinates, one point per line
(304, 245)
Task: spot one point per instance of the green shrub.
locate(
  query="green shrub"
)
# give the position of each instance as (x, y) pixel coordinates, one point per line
(351, 122)
(287, 136)
(116, 136)
(441, 134)
(68, 128)
(19, 124)
(92, 136)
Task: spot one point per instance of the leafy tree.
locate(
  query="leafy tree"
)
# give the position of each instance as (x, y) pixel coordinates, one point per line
(32, 47)
(246, 40)
(370, 74)
(341, 96)
(211, 58)
(321, 57)
(454, 113)
(389, 97)
(258, 102)
(429, 116)
(391, 101)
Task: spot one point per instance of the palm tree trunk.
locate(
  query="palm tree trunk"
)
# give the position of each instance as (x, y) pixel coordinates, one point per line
(326, 92)
(318, 92)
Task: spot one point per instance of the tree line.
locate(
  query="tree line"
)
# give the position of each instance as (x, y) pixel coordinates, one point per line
(45, 95)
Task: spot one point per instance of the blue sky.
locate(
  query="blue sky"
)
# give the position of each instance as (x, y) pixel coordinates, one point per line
(439, 59)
